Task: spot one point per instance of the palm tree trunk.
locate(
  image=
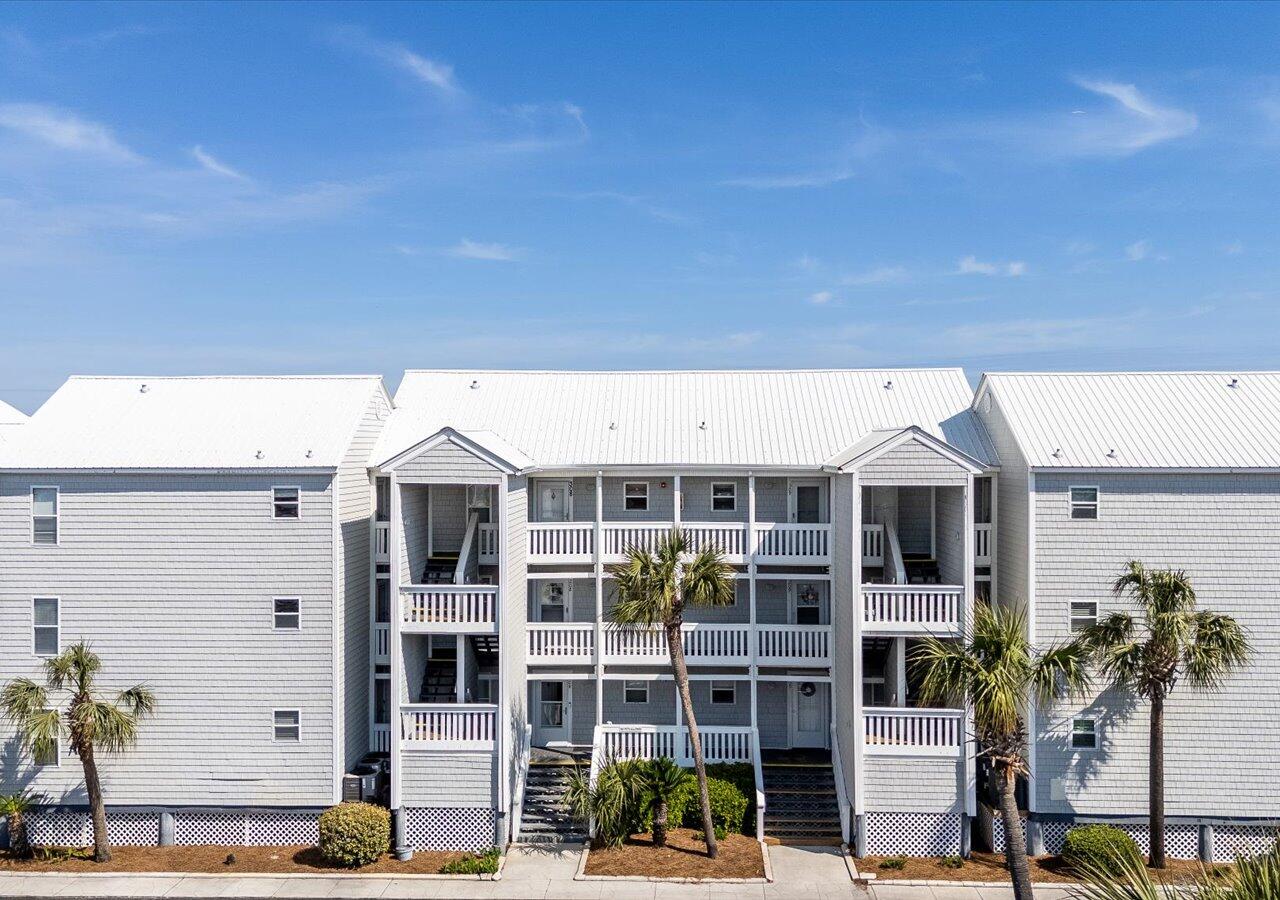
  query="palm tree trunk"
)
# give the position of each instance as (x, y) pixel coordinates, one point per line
(101, 845)
(660, 824)
(1015, 841)
(680, 671)
(1155, 785)
(19, 844)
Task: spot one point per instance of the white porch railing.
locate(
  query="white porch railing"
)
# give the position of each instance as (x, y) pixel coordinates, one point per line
(779, 542)
(892, 731)
(381, 542)
(562, 541)
(381, 642)
(488, 544)
(380, 738)
(706, 644)
(911, 608)
(449, 608)
(873, 545)
(565, 643)
(719, 743)
(730, 537)
(982, 544)
(793, 645)
(447, 726)
(618, 539)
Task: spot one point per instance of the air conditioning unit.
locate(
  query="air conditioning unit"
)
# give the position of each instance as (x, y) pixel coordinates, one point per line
(360, 785)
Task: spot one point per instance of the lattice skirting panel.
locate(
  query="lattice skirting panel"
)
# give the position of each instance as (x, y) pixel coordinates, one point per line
(73, 828)
(1180, 841)
(1230, 841)
(251, 829)
(913, 834)
(440, 828)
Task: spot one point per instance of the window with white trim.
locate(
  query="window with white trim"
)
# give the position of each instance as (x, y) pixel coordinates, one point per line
(286, 503)
(1084, 734)
(1084, 614)
(287, 726)
(45, 626)
(1084, 502)
(635, 496)
(724, 692)
(44, 515)
(635, 692)
(287, 613)
(724, 496)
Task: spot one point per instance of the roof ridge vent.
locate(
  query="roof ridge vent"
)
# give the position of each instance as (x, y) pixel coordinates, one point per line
(259, 455)
(144, 388)
(1057, 453)
(888, 385)
(613, 426)
(1234, 382)
(475, 384)
(1111, 453)
(703, 425)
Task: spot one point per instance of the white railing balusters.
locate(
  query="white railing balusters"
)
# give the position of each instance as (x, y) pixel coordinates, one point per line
(793, 644)
(719, 743)
(911, 607)
(781, 541)
(447, 726)
(382, 542)
(893, 731)
(873, 545)
(561, 642)
(462, 607)
(982, 544)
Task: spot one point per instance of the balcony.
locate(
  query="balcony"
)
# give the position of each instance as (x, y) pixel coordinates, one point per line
(911, 609)
(982, 537)
(894, 731)
(776, 645)
(382, 642)
(776, 542)
(449, 609)
(447, 726)
(381, 542)
(726, 744)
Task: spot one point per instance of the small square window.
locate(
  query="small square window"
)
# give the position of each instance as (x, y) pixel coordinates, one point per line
(724, 692)
(1084, 614)
(1084, 502)
(635, 692)
(285, 503)
(636, 495)
(288, 726)
(288, 613)
(1084, 734)
(724, 496)
(46, 621)
(44, 515)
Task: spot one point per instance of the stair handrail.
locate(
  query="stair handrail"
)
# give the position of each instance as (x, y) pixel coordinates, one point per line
(842, 796)
(460, 570)
(758, 768)
(895, 553)
(522, 777)
(597, 761)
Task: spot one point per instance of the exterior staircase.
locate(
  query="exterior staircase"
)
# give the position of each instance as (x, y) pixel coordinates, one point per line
(800, 803)
(439, 681)
(440, 569)
(546, 818)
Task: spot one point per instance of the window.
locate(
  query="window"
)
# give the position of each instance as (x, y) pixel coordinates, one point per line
(636, 496)
(51, 756)
(45, 626)
(1084, 734)
(724, 692)
(1084, 613)
(44, 515)
(288, 726)
(285, 503)
(288, 613)
(724, 496)
(635, 692)
(1084, 502)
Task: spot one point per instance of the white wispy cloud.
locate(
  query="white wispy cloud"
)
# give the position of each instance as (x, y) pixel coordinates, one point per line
(1134, 123)
(791, 180)
(971, 265)
(211, 163)
(1235, 248)
(490, 252)
(821, 298)
(879, 275)
(434, 73)
(64, 130)
(1138, 251)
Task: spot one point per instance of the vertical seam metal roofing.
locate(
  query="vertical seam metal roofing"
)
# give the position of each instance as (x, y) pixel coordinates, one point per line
(1139, 420)
(795, 418)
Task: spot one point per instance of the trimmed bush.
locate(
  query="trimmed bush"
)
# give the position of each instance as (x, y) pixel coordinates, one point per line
(354, 834)
(478, 864)
(1099, 847)
(743, 777)
(894, 863)
(728, 805)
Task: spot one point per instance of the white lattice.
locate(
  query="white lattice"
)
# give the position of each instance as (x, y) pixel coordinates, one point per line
(1230, 841)
(438, 828)
(913, 834)
(74, 828)
(227, 828)
(1180, 841)
(278, 829)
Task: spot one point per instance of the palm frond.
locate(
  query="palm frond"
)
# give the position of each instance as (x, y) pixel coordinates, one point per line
(1123, 877)
(1109, 631)
(41, 731)
(1061, 671)
(644, 596)
(107, 727)
(73, 669)
(707, 580)
(138, 701)
(21, 699)
(1218, 644)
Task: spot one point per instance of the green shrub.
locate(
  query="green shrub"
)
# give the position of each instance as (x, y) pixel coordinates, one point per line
(743, 777)
(728, 806)
(894, 863)
(952, 862)
(354, 834)
(477, 864)
(1099, 847)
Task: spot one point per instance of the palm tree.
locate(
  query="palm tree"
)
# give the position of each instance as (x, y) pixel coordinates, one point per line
(655, 589)
(1174, 641)
(662, 780)
(994, 671)
(14, 808)
(90, 723)
(1126, 878)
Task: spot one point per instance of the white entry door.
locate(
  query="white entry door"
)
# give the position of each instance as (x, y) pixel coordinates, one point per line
(554, 501)
(554, 712)
(810, 718)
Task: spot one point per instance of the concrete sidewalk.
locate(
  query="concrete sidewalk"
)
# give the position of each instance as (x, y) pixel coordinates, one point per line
(537, 873)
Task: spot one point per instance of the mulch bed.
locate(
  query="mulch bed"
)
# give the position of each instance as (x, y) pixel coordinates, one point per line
(990, 867)
(291, 860)
(685, 856)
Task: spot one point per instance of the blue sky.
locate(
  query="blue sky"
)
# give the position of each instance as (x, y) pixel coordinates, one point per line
(365, 188)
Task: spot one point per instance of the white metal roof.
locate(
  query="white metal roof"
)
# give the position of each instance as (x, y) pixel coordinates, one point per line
(697, 418)
(272, 422)
(1118, 420)
(9, 415)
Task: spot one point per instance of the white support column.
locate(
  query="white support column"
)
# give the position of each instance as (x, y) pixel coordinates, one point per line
(751, 592)
(431, 528)
(933, 521)
(852, 532)
(677, 500)
(598, 557)
(395, 534)
(460, 670)
(1031, 637)
(993, 539)
(970, 763)
(900, 670)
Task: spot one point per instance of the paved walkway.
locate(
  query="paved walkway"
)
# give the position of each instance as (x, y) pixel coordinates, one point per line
(800, 873)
